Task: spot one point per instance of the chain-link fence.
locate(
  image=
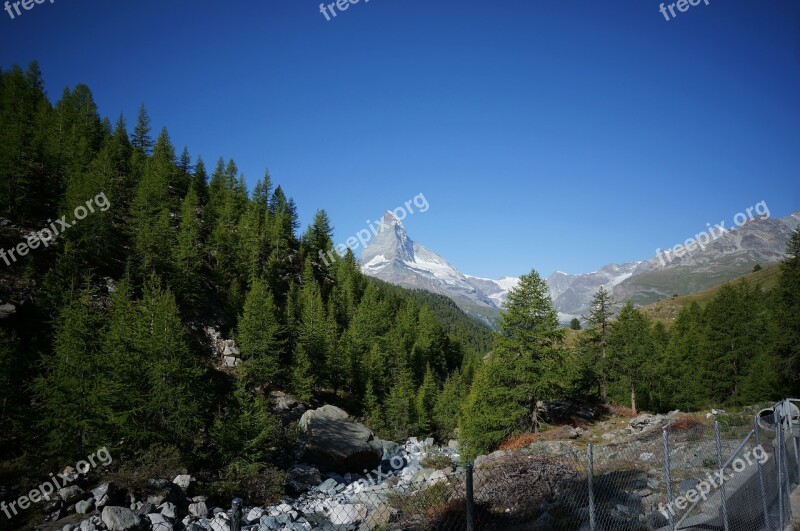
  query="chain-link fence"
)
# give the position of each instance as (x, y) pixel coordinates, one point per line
(725, 472)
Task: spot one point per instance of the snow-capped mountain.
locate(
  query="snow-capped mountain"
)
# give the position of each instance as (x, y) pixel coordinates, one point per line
(394, 257)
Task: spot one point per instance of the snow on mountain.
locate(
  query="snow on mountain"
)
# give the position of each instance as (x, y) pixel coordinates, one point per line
(394, 257)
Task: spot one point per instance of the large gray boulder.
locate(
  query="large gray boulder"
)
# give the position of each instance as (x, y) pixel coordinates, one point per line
(334, 441)
(120, 519)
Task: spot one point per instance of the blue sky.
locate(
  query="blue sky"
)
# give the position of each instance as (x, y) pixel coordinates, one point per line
(555, 135)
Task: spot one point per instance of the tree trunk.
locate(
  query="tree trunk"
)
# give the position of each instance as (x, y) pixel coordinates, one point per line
(633, 398)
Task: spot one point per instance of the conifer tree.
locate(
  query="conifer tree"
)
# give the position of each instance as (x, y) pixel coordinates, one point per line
(631, 345)
(599, 319)
(187, 254)
(426, 403)
(260, 337)
(69, 388)
(447, 409)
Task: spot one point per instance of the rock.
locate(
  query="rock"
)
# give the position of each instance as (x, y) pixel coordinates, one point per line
(608, 436)
(230, 361)
(268, 522)
(221, 522)
(254, 514)
(335, 441)
(646, 456)
(102, 494)
(645, 422)
(378, 518)
(453, 444)
(120, 519)
(347, 514)
(169, 510)
(199, 509)
(303, 477)
(88, 525)
(85, 507)
(183, 481)
(159, 522)
(71, 494)
(571, 432)
(232, 351)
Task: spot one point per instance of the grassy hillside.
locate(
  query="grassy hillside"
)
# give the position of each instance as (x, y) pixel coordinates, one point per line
(667, 309)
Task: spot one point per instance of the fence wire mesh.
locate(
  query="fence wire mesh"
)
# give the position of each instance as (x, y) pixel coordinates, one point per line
(725, 472)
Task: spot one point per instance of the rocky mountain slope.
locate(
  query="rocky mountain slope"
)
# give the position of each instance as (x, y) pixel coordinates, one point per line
(394, 257)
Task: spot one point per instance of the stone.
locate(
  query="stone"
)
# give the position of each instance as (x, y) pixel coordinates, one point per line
(347, 514)
(453, 444)
(608, 436)
(120, 519)
(7, 310)
(85, 506)
(159, 522)
(334, 440)
(254, 514)
(71, 494)
(169, 510)
(646, 456)
(230, 361)
(199, 509)
(88, 525)
(221, 522)
(378, 518)
(183, 481)
(303, 477)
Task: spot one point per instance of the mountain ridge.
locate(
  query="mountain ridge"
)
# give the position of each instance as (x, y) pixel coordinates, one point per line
(394, 257)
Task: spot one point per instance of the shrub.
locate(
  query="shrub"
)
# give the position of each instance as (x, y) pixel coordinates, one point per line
(255, 483)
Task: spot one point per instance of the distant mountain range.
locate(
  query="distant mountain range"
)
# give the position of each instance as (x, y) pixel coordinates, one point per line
(394, 257)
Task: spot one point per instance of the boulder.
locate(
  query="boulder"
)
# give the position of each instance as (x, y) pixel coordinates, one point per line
(120, 519)
(85, 507)
(335, 441)
(71, 494)
(303, 477)
(199, 509)
(183, 481)
(347, 514)
(159, 522)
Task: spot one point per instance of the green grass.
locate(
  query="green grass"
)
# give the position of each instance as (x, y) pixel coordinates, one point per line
(667, 309)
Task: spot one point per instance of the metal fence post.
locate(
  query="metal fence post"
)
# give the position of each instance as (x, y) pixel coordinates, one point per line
(236, 514)
(470, 500)
(667, 477)
(761, 474)
(784, 453)
(722, 471)
(592, 524)
(778, 465)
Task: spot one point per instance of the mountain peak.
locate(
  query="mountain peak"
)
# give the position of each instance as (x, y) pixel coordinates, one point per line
(390, 220)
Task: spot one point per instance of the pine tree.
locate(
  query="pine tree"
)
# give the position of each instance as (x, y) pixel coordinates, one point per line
(69, 388)
(631, 344)
(426, 402)
(188, 254)
(173, 375)
(529, 340)
(260, 336)
(141, 139)
(400, 406)
(787, 314)
(685, 372)
(599, 319)
(447, 409)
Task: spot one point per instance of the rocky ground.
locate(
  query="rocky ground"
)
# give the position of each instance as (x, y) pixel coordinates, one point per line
(349, 479)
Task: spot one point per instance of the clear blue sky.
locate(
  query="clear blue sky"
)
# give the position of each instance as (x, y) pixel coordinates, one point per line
(556, 135)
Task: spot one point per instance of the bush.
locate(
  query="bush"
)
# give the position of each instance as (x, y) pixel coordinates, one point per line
(437, 461)
(255, 483)
(157, 462)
